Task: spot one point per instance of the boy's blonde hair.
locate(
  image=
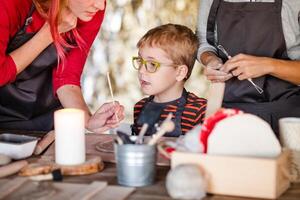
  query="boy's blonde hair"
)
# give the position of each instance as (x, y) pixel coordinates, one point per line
(179, 42)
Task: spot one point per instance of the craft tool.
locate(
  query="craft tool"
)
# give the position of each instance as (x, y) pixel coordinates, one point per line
(259, 89)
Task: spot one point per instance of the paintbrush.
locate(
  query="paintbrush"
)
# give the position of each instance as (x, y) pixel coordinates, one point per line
(167, 126)
(139, 140)
(259, 89)
(55, 175)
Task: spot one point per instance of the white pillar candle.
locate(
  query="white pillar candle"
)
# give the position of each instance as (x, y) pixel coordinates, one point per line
(69, 136)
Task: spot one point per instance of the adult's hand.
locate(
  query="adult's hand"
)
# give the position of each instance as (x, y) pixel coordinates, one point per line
(106, 117)
(213, 70)
(245, 66)
(67, 22)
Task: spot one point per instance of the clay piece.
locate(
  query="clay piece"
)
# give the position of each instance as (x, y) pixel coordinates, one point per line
(186, 182)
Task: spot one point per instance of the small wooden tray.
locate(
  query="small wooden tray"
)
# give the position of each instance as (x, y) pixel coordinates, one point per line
(46, 165)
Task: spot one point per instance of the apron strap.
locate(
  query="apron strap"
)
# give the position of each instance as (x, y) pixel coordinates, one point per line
(278, 4)
(211, 22)
(28, 18)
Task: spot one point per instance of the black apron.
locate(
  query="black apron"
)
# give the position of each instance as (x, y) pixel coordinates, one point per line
(28, 103)
(151, 113)
(254, 28)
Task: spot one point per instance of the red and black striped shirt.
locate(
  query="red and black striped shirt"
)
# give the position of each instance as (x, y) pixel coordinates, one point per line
(193, 112)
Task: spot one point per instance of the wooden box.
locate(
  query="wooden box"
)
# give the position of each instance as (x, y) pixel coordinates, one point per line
(240, 176)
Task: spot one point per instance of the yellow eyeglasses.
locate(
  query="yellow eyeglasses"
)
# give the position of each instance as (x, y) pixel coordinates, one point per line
(150, 66)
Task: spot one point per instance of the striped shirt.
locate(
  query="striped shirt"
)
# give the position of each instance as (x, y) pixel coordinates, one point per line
(193, 112)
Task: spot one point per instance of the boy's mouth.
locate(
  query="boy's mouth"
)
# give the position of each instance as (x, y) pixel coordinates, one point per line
(144, 83)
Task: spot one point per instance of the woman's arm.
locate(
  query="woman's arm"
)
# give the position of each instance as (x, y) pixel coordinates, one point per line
(203, 12)
(16, 61)
(286, 70)
(245, 66)
(206, 52)
(107, 116)
(25, 54)
(70, 96)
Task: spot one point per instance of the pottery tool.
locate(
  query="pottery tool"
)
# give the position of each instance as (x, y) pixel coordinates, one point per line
(12, 168)
(44, 143)
(259, 89)
(139, 140)
(55, 175)
(166, 126)
(111, 92)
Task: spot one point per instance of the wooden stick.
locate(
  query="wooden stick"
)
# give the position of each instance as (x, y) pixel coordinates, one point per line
(44, 143)
(12, 168)
(139, 140)
(111, 91)
(166, 126)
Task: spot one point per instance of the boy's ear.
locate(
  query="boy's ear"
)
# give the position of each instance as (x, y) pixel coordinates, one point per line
(182, 71)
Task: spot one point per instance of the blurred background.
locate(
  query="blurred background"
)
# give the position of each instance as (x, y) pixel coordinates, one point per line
(125, 22)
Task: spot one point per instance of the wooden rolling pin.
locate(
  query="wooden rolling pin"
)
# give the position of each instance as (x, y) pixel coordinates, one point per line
(12, 168)
(44, 143)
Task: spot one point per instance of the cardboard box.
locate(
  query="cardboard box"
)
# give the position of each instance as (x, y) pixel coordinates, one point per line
(240, 176)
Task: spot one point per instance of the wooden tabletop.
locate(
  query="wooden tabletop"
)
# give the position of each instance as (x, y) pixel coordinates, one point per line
(158, 190)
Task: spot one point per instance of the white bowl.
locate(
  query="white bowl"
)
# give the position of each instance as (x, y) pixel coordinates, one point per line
(17, 146)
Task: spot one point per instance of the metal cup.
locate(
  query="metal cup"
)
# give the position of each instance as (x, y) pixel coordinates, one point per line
(136, 164)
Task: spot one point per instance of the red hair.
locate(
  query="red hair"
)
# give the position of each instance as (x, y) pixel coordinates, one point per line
(51, 10)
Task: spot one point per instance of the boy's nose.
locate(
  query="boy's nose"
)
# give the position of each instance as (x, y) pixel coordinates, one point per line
(143, 69)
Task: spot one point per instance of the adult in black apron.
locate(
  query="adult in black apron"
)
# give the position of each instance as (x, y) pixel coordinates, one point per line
(28, 103)
(238, 25)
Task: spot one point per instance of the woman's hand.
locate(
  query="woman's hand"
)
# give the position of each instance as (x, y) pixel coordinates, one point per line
(213, 70)
(245, 66)
(106, 117)
(67, 22)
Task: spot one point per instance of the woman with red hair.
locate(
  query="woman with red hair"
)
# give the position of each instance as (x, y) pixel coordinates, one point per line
(43, 47)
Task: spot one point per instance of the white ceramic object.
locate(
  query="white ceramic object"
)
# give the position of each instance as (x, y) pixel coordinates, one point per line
(289, 132)
(186, 182)
(17, 146)
(243, 135)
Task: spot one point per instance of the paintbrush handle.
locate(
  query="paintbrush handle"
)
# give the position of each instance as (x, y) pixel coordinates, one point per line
(141, 134)
(156, 137)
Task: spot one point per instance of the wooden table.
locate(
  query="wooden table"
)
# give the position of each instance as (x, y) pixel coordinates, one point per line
(158, 190)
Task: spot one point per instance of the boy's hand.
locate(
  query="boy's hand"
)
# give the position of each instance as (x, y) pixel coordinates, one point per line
(106, 117)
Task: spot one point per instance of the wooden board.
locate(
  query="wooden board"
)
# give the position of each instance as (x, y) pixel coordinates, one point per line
(57, 191)
(113, 193)
(107, 155)
(46, 165)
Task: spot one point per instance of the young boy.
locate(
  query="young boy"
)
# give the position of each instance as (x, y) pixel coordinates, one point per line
(165, 61)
